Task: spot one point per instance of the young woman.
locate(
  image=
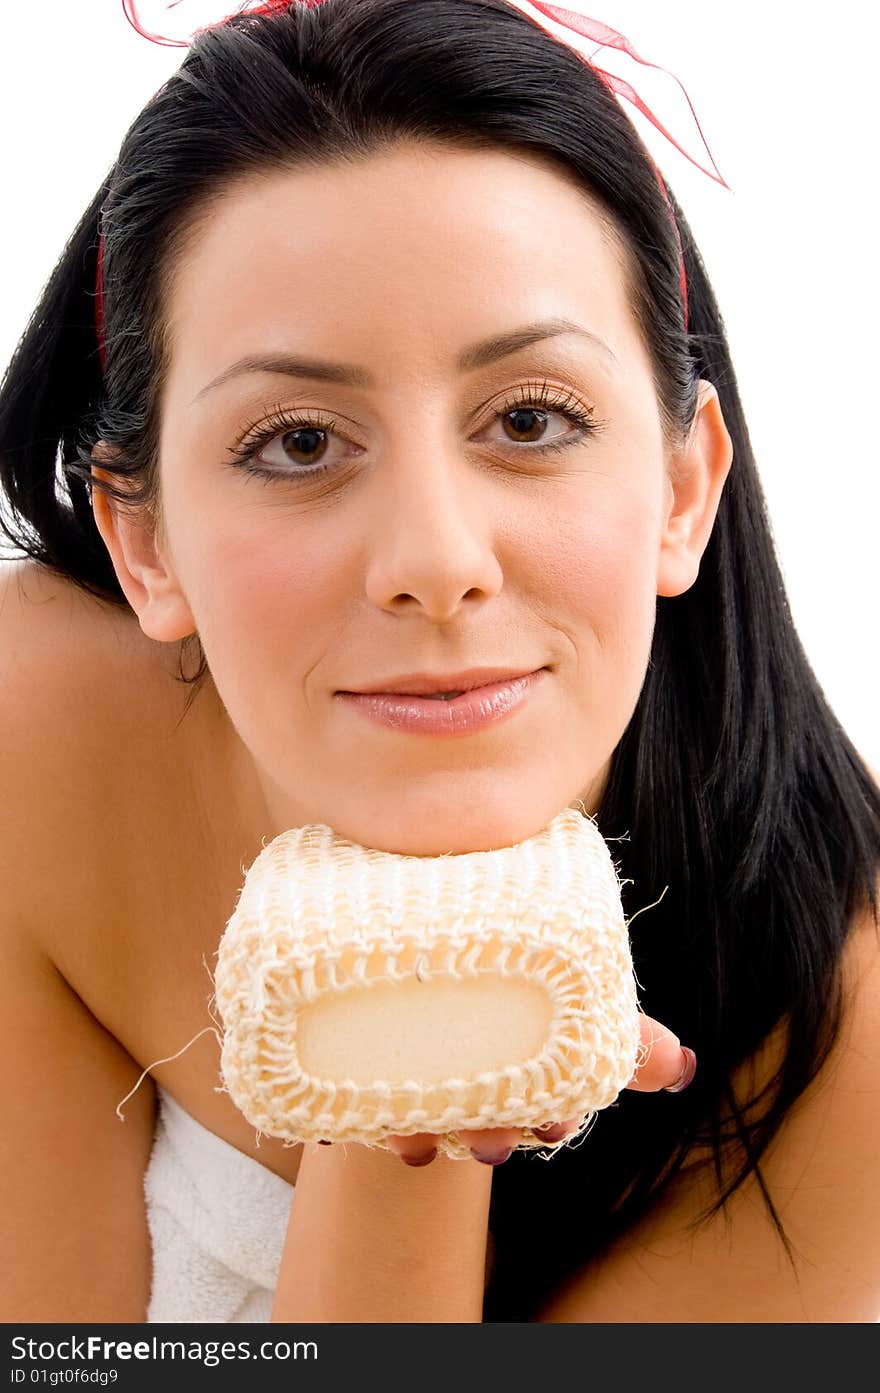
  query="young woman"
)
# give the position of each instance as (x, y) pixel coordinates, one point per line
(405, 362)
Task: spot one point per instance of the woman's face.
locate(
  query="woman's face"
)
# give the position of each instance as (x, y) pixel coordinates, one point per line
(411, 520)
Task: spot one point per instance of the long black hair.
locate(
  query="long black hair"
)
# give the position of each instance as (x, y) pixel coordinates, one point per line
(734, 789)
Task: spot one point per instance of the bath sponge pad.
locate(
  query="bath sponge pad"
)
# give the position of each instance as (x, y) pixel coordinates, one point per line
(364, 992)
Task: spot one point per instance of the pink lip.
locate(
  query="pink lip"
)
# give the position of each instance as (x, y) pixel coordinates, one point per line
(429, 683)
(472, 711)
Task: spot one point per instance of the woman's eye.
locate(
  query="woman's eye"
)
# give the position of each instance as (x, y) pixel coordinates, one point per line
(306, 448)
(528, 425)
(310, 447)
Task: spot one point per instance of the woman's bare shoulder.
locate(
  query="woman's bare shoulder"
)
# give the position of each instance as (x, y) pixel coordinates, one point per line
(50, 621)
(126, 818)
(60, 700)
(83, 692)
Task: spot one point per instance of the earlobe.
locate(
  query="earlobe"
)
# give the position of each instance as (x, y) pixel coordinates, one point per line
(695, 482)
(144, 573)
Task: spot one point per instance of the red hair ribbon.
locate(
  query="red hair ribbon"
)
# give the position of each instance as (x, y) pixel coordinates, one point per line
(606, 37)
(601, 34)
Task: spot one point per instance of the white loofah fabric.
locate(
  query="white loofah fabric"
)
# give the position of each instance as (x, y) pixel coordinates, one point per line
(321, 918)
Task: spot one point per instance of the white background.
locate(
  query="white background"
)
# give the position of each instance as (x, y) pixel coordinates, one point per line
(786, 98)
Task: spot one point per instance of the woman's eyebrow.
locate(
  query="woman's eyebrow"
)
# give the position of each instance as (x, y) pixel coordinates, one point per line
(478, 355)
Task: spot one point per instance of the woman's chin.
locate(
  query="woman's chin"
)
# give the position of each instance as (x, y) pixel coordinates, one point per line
(437, 818)
(452, 831)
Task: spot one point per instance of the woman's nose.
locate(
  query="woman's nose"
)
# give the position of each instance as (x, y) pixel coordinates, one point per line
(432, 537)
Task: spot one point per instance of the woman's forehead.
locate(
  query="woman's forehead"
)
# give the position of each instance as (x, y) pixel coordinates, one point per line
(429, 245)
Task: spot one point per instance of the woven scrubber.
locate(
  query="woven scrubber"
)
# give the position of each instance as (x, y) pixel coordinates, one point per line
(364, 992)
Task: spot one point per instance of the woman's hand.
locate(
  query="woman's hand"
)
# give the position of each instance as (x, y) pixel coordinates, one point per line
(366, 1242)
(665, 1065)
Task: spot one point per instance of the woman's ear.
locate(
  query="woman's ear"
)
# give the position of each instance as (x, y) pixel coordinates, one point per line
(133, 537)
(696, 478)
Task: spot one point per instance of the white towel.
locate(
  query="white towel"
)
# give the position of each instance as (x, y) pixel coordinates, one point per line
(217, 1221)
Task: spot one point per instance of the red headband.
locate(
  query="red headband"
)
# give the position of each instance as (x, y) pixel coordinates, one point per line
(592, 29)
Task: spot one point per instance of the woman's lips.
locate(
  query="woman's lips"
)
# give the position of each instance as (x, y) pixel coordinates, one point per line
(461, 715)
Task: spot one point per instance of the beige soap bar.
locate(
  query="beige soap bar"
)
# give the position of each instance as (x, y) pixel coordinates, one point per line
(364, 992)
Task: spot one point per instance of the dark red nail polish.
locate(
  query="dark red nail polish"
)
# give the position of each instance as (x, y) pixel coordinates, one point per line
(324, 1143)
(687, 1074)
(420, 1160)
(554, 1131)
(495, 1160)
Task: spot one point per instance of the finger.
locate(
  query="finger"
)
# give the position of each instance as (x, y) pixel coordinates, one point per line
(492, 1145)
(419, 1149)
(557, 1131)
(663, 1062)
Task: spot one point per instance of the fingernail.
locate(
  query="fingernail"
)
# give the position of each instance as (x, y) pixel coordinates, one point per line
(554, 1131)
(420, 1160)
(496, 1160)
(689, 1068)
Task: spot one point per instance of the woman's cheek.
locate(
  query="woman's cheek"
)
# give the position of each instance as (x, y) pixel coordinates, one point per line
(604, 571)
(601, 556)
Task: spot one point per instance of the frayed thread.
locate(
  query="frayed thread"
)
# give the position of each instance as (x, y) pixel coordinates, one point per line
(208, 1028)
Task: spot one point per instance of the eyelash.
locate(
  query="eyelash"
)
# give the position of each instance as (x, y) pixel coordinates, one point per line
(539, 396)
